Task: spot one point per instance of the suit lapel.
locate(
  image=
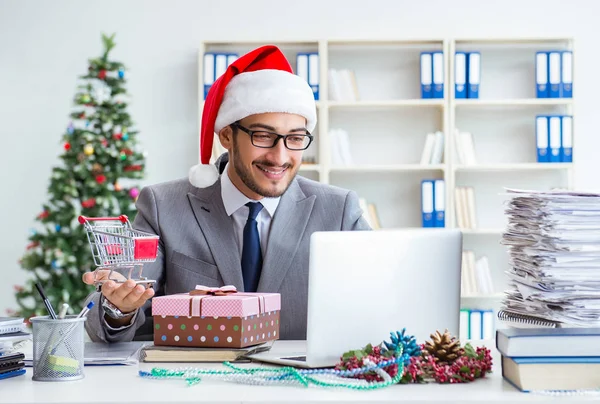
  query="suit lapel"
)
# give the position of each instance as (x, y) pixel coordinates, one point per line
(217, 228)
(287, 228)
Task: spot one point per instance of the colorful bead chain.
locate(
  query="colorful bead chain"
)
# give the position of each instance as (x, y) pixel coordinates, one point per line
(289, 375)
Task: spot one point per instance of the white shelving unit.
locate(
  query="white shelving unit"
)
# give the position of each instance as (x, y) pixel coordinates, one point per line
(388, 126)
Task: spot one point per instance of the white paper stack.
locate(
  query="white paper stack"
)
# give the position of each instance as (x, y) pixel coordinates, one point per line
(553, 240)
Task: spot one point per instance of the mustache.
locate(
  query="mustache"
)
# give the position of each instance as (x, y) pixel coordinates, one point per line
(265, 163)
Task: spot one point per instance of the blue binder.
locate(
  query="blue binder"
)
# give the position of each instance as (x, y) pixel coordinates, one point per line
(566, 139)
(439, 200)
(566, 77)
(427, 203)
(541, 138)
(554, 74)
(426, 75)
(209, 72)
(554, 135)
(460, 75)
(438, 74)
(473, 74)
(541, 74)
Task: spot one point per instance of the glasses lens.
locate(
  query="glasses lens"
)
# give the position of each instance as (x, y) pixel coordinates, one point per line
(263, 139)
(297, 142)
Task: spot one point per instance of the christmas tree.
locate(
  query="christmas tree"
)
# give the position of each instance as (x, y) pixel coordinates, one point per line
(96, 178)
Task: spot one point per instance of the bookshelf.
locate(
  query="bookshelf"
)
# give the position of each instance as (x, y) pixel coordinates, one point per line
(388, 123)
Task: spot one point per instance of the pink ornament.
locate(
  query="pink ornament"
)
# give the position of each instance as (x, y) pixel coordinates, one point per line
(134, 192)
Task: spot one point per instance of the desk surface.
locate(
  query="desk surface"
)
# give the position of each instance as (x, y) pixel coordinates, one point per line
(122, 384)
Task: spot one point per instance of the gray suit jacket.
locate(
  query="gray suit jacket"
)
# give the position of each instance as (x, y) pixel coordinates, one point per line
(198, 247)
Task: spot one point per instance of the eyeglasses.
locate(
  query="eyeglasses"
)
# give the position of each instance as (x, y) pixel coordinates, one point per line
(267, 140)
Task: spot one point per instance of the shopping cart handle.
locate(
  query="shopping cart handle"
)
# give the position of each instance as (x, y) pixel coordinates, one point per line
(83, 219)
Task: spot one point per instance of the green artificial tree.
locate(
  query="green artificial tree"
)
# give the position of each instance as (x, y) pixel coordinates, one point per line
(96, 178)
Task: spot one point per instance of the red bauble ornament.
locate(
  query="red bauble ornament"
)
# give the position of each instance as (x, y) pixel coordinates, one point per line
(118, 187)
(100, 179)
(104, 142)
(102, 74)
(88, 203)
(67, 146)
(118, 136)
(43, 215)
(82, 115)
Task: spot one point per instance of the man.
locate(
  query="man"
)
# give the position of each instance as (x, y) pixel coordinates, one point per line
(244, 221)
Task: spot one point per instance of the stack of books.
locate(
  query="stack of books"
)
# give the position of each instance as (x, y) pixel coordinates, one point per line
(550, 359)
(12, 333)
(553, 240)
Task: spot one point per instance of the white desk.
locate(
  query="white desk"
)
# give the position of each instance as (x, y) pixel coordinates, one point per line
(122, 384)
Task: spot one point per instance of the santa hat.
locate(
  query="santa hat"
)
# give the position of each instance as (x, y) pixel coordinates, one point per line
(258, 82)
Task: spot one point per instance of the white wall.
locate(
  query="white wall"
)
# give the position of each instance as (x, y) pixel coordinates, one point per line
(45, 45)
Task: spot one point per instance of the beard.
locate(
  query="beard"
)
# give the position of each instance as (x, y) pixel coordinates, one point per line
(247, 179)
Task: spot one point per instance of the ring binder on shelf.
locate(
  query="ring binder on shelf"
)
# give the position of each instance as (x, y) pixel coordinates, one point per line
(526, 320)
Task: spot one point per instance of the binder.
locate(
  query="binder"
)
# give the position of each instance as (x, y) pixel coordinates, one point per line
(464, 325)
(426, 75)
(460, 75)
(439, 199)
(473, 74)
(302, 65)
(554, 74)
(427, 203)
(566, 139)
(566, 81)
(220, 64)
(542, 136)
(438, 74)
(209, 72)
(313, 73)
(541, 74)
(554, 138)
(231, 57)
(476, 325)
(487, 325)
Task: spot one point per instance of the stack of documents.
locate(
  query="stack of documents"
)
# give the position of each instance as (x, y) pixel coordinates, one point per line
(553, 240)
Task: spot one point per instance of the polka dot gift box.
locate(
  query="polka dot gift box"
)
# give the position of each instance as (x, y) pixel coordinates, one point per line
(216, 317)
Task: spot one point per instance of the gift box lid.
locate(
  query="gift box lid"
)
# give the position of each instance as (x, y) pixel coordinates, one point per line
(215, 302)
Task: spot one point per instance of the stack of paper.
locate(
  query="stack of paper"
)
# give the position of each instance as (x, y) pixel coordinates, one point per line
(553, 240)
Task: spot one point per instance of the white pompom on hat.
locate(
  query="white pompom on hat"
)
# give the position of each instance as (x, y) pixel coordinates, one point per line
(258, 82)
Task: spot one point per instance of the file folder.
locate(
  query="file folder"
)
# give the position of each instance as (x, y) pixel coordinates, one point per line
(231, 57)
(474, 74)
(427, 203)
(460, 75)
(554, 123)
(554, 74)
(439, 199)
(476, 324)
(302, 65)
(567, 74)
(567, 139)
(541, 74)
(542, 136)
(426, 75)
(438, 74)
(220, 64)
(209, 72)
(313, 73)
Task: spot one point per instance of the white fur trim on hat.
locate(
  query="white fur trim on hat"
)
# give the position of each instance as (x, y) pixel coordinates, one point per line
(203, 175)
(265, 91)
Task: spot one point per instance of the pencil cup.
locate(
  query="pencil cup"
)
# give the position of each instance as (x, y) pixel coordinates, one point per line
(58, 348)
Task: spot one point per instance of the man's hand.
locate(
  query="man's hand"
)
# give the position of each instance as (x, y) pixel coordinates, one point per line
(126, 296)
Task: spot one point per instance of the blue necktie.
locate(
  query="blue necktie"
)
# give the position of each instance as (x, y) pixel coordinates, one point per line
(251, 254)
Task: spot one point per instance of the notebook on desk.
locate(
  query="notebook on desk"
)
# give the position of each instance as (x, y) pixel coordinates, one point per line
(153, 353)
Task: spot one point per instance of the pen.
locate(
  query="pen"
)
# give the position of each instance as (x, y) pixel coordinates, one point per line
(63, 311)
(46, 301)
(86, 309)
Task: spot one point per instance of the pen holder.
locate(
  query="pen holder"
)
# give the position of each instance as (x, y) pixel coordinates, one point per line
(58, 348)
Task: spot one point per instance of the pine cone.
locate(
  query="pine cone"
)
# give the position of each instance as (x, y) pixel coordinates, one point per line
(97, 169)
(444, 348)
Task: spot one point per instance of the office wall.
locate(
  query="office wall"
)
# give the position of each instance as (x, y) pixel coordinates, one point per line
(44, 46)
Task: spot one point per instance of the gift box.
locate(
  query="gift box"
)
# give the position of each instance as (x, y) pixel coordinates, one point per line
(216, 317)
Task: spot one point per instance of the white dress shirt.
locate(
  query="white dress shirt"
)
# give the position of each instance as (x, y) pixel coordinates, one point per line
(235, 206)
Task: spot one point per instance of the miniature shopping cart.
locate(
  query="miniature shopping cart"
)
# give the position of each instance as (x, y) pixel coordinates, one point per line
(116, 246)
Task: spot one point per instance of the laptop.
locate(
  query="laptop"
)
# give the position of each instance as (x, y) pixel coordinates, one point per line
(365, 284)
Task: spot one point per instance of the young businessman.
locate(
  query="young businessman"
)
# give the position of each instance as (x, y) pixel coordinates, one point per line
(244, 221)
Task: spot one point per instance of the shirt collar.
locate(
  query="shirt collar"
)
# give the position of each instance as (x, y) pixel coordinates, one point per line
(233, 198)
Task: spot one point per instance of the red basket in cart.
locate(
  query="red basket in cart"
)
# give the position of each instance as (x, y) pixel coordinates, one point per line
(116, 245)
